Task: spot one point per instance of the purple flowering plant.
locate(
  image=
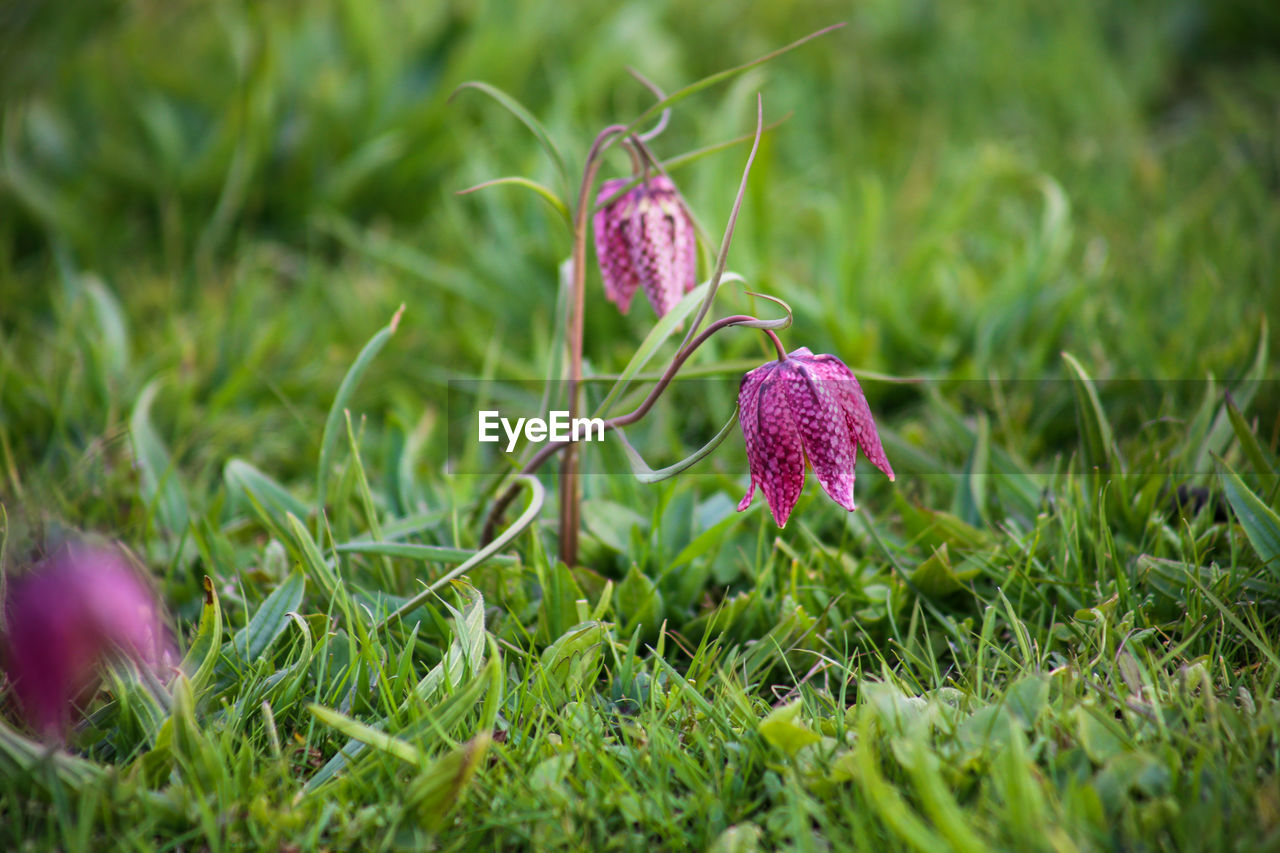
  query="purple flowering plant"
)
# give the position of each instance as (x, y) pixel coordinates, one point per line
(796, 412)
(65, 619)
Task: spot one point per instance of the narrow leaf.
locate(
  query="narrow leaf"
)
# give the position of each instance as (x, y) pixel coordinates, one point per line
(1095, 431)
(1260, 522)
(368, 735)
(527, 119)
(271, 618)
(557, 204)
(160, 486)
(647, 475)
(341, 402)
(425, 553)
(202, 657)
(719, 76)
(1258, 458)
(667, 326)
(439, 787)
(243, 478)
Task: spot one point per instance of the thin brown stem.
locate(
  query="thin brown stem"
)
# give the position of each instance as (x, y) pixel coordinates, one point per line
(570, 494)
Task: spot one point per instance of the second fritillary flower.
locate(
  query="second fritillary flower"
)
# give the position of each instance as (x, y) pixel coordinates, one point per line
(645, 238)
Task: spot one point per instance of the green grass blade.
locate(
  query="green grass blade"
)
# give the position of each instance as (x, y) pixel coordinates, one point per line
(202, 657)
(313, 561)
(439, 787)
(1260, 522)
(549, 196)
(1096, 441)
(1263, 463)
(368, 735)
(465, 654)
(425, 553)
(21, 755)
(1219, 431)
(342, 400)
(160, 486)
(970, 501)
(271, 618)
(243, 478)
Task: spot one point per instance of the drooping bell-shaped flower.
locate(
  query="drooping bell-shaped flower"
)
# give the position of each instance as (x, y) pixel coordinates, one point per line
(645, 238)
(810, 408)
(79, 609)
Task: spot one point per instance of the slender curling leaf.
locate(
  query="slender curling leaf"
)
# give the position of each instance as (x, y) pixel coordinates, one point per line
(642, 472)
(426, 553)
(667, 326)
(712, 79)
(548, 195)
(527, 119)
(537, 496)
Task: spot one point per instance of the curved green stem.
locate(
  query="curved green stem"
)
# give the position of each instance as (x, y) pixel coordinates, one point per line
(537, 498)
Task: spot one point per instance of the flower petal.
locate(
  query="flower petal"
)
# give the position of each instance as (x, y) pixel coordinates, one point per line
(774, 448)
(861, 424)
(660, 236)
(610, 226)
(748, 406)
(816, 410)
(685, 245)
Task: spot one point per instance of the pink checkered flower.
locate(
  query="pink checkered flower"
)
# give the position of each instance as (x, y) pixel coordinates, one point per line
(805, 407)
(79, 609)
(645, 239)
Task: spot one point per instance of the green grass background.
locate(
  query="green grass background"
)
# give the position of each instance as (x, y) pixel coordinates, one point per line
(208, 209)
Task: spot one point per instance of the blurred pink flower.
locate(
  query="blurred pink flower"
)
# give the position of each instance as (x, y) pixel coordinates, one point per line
(77, 610)
(805, 407)
(645, 239)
